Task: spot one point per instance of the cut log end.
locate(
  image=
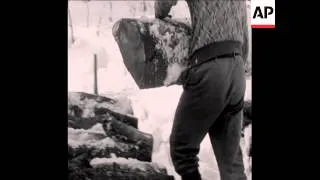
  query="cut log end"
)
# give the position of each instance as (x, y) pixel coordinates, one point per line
(157, 44)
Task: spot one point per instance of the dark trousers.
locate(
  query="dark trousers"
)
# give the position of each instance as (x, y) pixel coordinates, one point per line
(212, 103)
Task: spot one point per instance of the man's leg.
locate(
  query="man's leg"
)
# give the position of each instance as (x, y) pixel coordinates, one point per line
(225, 133)
(225, 138)
(187, 133)
(200, 105)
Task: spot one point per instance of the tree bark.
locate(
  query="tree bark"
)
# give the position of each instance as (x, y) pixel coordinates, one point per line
(149, 46)
(129, 120)
(121, 171)
(247, 113)
(115, 141)
(85, 110)
(71, 26)
(130, 135)
(80, 169)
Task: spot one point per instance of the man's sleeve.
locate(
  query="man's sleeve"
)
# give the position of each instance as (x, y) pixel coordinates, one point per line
(163, 7)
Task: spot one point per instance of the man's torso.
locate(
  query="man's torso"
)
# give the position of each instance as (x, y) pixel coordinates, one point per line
(216, 20)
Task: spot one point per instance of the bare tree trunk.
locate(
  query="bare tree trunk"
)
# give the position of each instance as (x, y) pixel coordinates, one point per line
(110, 8)
(71, 26)
(133, 10)
(144, 7)
(100, 20)
(95, 75)
(88, 14)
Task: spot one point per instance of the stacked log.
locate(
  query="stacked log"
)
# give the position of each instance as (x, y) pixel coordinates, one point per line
(104, 143)
(247, 114)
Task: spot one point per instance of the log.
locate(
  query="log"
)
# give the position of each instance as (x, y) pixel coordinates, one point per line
(127, 169)
(248, 109)
(130, 120)
(86, 100)
(95, 143)
(115, 168)
(83, 108)
(77, 122)
(127, 134)
(151, 49)
(99, 99)
(247, 113)
(155, 51)
(79, 168)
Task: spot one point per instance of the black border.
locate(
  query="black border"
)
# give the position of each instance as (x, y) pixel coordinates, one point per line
(281, 91)
(35, 114)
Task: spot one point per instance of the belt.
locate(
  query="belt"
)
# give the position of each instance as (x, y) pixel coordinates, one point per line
(211, 52)
(214, 51)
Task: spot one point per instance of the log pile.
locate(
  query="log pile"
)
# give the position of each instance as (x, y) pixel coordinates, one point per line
(104, 142)
(247, 114)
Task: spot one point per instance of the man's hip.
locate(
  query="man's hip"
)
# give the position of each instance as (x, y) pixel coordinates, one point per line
(225, 50)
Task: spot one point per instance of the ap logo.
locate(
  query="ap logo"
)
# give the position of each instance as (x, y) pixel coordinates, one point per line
(263, 13)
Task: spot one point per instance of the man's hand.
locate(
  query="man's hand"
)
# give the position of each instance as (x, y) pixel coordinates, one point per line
(163, 7)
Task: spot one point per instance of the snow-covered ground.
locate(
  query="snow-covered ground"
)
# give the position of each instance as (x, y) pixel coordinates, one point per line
(154, 107)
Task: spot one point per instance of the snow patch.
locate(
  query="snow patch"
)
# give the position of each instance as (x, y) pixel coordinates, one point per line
(174, 72)
(130, 163)
(81, 137)
(175, 54)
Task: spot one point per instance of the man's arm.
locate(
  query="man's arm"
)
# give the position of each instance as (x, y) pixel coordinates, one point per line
(163, 7)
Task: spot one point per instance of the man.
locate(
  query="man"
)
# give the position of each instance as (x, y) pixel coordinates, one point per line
(214, 87)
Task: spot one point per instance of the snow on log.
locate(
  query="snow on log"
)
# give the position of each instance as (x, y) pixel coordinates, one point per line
(127, 134)
(127, 169)
(84, 109)
(115, 168)
(154, 51)
(95, 143)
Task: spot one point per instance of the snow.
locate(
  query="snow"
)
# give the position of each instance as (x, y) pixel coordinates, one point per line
(130, 163)
(88, 138)
(245, 143)
(153, 107)
(181, 50)
(175, 55)
(79, 137)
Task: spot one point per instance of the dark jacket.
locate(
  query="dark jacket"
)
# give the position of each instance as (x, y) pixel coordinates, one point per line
(212, 21)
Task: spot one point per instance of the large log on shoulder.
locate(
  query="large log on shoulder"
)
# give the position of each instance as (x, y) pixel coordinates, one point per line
(154, 51)
(83, 108)
(95, 142)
